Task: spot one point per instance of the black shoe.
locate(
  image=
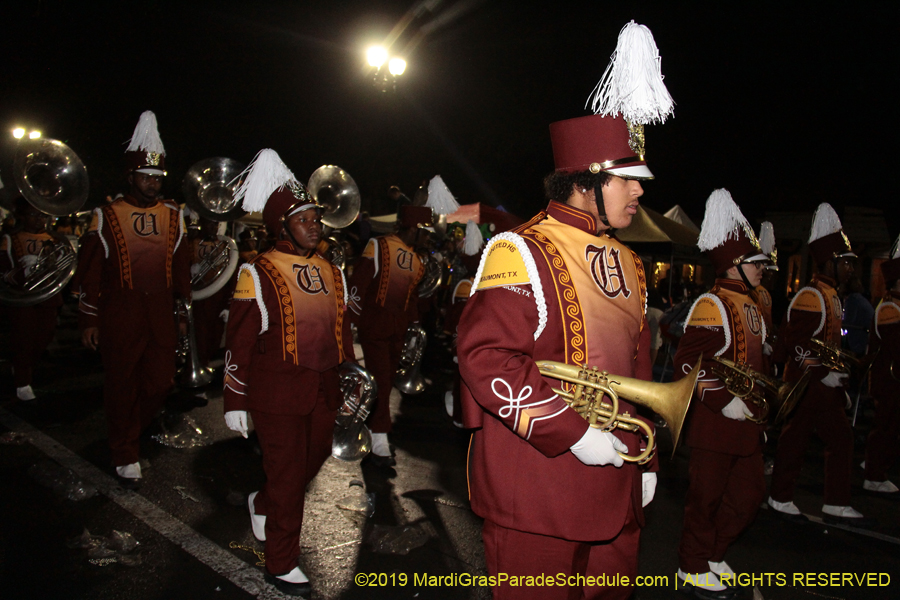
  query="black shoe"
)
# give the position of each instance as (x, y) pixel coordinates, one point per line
(797, 519)
(858, 522)
(382, 462)
(286, 587)
(128, 483)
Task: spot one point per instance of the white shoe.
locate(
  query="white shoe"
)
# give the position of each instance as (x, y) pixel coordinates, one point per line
(132, 471)
(25, 393)
(707, 581)
(258, 522)
(880, 486)
(380, 445)
(846, 512)
(721, 568)
(785, 507)
(295, 576)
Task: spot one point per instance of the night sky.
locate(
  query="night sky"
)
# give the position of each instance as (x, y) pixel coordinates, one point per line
(786, 106)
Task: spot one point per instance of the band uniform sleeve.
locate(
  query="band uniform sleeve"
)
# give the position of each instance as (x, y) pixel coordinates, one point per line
(86, 281)
(244, 326)
(363, 273)
(495, 348)
(805, 319)
(704, 334)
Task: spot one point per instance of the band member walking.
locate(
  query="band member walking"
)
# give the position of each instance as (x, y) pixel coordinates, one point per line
(31, 327)
(287, 335)
(383, 302)
(883, 445)
(726, 481)
(562, 288)
(134, 262)
(815, 312)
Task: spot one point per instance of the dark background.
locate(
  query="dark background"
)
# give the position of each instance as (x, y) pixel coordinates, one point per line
(786, 105)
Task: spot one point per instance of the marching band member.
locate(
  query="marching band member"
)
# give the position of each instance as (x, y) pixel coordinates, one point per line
(815, 312)
(287, 335)
(31, 327)
(725, 476)
(883, 444)
(555, 494)
(383, 302)
(134, 262)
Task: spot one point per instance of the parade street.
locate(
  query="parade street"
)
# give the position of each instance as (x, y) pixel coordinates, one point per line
(69, 531)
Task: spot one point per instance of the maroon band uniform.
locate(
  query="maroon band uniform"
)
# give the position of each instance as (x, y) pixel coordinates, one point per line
(883, 445)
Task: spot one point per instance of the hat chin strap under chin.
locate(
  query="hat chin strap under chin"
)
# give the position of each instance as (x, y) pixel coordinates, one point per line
(601, 206)
(740, 268)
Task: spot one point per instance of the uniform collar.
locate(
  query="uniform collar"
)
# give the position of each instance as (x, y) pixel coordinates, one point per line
(288, 247)
(572, 216)
(732, 285)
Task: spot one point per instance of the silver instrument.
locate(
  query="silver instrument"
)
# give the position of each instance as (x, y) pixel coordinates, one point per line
(333, 188)
(215, 269)
(408, 378)
(53, 179)
(208, 188)
(193, 374)
(352, 439)
(432, 277)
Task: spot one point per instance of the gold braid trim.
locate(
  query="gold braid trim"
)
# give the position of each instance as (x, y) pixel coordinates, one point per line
(739, 339)
(642, 285)
(385, 248)
(339, 300)
(125, 278)
(170, 247)
(569, 305)
(288, 329)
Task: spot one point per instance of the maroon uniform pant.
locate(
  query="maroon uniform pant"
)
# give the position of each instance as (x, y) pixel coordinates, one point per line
(382, 357)
(31, 331)
(724, 493)
(138, 373)
(512, 553)
(294, 448)
(883, 444)
(209, 326)
(821, 411)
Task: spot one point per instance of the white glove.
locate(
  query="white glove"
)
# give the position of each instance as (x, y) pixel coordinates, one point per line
(599, 448)
(648, 488)
(767, 349)
(835, 379)
(224, 315)
(237, 421)
(195, 268)
(736, 409)
(28, 261)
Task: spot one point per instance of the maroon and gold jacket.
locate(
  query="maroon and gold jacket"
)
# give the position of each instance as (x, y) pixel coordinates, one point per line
(814, 312)
(383, 295)
(884, 338)
(132, 265)
(287, 333)
(16, 245)
(727, 323)
(551, 289)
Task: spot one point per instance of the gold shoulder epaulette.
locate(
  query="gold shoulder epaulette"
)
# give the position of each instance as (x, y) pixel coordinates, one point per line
(807, 299)
(503, 265)
(705, 313)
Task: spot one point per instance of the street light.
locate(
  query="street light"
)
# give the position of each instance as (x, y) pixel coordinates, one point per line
(376, 55)
(34, 135)
(383, 78)
(18, 133)
(397, 66)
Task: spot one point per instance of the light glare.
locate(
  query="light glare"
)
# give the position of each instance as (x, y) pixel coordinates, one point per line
(34, 135)
(397, 66)
(376, 55)
(18, 133)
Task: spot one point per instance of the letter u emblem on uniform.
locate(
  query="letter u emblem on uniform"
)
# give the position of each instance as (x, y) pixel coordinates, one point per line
(404, 259)
(754, 321)
(32, 247)
(606, 269)
(144, 224)
(309, 279)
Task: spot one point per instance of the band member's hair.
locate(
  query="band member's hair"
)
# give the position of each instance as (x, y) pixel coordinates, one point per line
(558, 185)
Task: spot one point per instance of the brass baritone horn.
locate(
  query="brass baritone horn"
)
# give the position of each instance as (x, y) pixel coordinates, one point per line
(352, 439)
(747, 384)
(668, 400)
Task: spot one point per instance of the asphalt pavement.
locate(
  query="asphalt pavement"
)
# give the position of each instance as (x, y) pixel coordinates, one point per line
(69, 531)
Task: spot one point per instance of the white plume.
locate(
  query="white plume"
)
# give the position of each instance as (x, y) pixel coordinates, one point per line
(825, 222)
(723, 221)
(440, 200)
(146, 136)
(473, 240)
(265, 174)
(632, 84)
(766, 237)
(895, 250)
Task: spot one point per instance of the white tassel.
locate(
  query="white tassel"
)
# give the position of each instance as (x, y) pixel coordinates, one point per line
(473, 240)
(440, 200)
(632, 84)
(895, 250)
(146, 136)
(723, 221)
(265, 174)
(766, 237)
(825, 222)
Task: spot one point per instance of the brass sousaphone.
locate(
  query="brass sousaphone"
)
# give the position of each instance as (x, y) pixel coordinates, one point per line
(334, 188)
(53, 179)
